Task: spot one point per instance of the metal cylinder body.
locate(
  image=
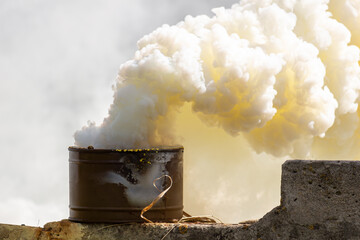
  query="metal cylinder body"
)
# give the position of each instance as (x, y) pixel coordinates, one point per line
(109, 185)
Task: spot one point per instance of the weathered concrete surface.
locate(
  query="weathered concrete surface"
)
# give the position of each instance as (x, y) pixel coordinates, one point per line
(319, 200)
(19, 232)
(77, 231)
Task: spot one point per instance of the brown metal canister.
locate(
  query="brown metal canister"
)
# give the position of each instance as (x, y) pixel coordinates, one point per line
(110, 185)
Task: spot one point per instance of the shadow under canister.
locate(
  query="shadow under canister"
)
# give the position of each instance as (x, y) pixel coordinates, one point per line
(111, 185)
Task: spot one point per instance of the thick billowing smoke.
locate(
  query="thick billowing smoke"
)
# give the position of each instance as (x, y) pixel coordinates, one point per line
(281, 72)
(280, 77)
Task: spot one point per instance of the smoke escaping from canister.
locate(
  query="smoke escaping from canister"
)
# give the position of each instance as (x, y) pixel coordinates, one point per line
(281, 76)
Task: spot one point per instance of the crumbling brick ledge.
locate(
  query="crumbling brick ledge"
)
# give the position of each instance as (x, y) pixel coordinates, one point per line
(319, 200)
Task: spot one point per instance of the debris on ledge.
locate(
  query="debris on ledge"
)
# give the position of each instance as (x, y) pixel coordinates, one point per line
(319, 200)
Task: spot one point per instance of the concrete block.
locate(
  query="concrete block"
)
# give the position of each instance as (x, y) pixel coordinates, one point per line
(319, 191)
(319, 200)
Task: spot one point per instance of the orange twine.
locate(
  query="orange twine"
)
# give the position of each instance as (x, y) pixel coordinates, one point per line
(148, 207)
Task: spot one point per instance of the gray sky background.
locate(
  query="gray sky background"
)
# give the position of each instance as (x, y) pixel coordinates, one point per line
(58, 60)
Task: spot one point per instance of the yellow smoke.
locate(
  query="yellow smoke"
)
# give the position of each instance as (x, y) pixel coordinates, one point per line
(222, 175)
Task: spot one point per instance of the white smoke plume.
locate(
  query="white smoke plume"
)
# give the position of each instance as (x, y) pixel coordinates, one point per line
(281, 77)
(281, 72)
